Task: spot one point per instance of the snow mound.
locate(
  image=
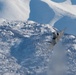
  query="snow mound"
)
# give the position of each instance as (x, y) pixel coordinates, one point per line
(24, 50)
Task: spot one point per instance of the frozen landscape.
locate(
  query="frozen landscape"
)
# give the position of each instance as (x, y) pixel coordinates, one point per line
(24, 47)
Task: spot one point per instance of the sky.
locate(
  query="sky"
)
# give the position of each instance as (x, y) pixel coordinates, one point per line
(40, 9)
(37, 11)
(40, 12)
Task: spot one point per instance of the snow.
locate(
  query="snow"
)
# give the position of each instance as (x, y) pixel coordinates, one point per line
(10, 74)
(72, 36)
(24, 49)
(15, 10)
(2, 20)
(74, 46)
(27, 52)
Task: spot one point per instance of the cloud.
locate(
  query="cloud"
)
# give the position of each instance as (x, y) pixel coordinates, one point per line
(61, 9)
(14, 9)
(57, 63)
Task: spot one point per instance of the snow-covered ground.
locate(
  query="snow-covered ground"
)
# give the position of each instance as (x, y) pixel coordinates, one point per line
(24, 50)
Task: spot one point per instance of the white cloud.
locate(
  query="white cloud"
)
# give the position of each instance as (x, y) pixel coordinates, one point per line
(61, 9)
(15, 9)
(57, 63)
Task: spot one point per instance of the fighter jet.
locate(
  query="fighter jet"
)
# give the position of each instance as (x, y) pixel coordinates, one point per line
(56, 37)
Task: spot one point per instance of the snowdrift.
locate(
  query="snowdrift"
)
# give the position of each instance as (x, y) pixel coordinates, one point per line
(24, 50)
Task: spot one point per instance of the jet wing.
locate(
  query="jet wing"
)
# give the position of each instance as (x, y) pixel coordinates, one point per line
(61, 33)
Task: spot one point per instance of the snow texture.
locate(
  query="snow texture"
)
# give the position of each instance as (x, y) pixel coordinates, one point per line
(24, 50)
(24, 47)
